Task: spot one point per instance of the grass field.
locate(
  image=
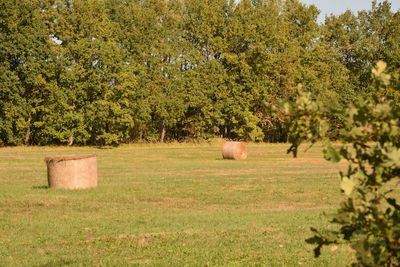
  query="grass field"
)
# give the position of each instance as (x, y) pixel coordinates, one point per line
(169, 205)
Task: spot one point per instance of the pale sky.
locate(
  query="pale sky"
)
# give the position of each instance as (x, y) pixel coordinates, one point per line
(338, 7)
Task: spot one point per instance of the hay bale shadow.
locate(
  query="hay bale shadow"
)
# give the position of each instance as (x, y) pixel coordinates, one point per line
(40, 187)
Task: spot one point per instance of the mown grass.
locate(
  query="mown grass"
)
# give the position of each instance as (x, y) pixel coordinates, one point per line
(169, 205)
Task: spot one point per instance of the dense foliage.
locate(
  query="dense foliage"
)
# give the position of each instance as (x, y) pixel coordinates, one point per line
(117, 71)
(369, 218)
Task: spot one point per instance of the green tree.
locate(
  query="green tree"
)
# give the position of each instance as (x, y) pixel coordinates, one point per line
(27, 76)
(95, 106)
(204, 76)
(150, 33)
(298, 54)
(361, 40)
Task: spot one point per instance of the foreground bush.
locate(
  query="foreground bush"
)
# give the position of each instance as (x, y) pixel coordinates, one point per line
(369, 218)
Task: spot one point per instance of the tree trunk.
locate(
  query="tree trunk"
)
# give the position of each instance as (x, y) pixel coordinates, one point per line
(162, 135)
(70, 140)
(28, 130)
(27, 136)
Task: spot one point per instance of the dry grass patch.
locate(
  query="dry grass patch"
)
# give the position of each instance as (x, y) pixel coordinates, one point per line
(31, 204)
(170, 202)
(311, 170)
(199, 172)
(137, 261)
(308, 160)
(296, 207)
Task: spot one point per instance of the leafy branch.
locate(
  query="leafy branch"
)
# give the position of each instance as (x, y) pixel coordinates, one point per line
(369, 218)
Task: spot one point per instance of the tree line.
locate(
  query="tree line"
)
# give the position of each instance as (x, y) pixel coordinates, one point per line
(104, 72)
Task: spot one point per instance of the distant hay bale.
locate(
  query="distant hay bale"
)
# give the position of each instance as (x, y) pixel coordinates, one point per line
(72, 171)
(234, 150)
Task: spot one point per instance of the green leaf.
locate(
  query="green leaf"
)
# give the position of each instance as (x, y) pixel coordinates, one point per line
(331, 153)
(324, 127)
(393, 159)
(347, 185)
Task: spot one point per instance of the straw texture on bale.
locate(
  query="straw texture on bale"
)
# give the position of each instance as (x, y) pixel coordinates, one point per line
(234, 150)
(72, 171)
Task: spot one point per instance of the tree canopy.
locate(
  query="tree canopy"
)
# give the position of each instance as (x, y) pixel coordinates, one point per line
(105, 72)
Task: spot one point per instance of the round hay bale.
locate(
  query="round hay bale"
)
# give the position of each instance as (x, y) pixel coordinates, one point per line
(234, 150)
(72, 171)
